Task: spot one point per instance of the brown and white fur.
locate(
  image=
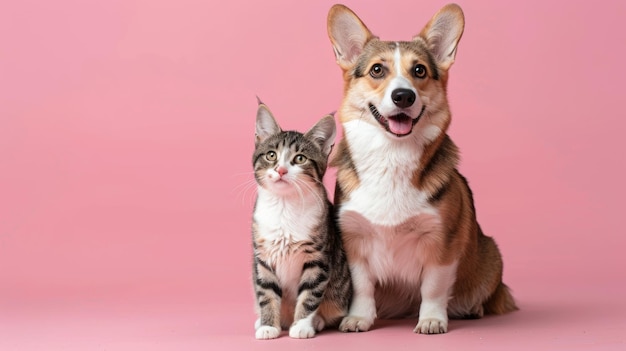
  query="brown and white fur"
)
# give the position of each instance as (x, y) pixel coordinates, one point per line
(406, 214)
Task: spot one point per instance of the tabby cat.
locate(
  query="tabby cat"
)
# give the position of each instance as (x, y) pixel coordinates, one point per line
(301, 277)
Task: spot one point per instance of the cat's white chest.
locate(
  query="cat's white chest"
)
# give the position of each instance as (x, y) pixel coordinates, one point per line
(283, 225)
(285, 221)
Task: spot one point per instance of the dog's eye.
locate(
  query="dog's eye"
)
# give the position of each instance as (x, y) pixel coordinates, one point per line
(270, 156)
(299, 159)
(377, 71)
(419, 71)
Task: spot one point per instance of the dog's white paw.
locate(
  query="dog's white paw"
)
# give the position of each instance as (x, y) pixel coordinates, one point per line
(302, 329)
(355, 324)
(266, 332)
(431, 326)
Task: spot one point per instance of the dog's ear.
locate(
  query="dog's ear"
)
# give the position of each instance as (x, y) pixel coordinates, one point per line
(323, 132)
(347, 34)
(443, 33)
(266, 125)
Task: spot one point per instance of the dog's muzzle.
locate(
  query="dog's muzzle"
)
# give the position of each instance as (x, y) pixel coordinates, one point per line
(399, 125)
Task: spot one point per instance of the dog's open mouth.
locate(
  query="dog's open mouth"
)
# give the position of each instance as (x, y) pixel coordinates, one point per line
(399, 125)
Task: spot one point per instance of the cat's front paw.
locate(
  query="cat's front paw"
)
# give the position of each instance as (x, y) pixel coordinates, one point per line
(302, 329)
(355, 324)
(431, 326)
(266, 332)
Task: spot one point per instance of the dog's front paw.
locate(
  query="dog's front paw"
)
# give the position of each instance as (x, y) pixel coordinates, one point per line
(431, 326)
(266, 332)
(355, 324)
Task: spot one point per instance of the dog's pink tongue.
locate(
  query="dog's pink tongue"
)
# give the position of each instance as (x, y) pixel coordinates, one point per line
(401, 124)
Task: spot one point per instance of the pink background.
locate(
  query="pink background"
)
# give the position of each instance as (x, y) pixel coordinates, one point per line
(126, 132)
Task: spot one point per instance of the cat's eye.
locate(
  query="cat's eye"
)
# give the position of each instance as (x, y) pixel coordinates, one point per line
(299, 159)
(377, 71)
(419, 71)
(270, 156)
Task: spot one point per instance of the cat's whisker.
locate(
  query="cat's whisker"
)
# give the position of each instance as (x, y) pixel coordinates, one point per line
(318, 198)
(320, 183)
(245, 183)
(249, 175)
(317, 181)
(244, 188)
(298, 184)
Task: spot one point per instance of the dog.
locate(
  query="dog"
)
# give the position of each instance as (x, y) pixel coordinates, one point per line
(405, 212)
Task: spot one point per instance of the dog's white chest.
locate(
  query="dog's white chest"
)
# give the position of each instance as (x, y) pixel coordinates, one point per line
(385, 195)
(391, 220)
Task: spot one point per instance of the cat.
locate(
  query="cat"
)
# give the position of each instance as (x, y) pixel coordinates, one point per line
(300, 273)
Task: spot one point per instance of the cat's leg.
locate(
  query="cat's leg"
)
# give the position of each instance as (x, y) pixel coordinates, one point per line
(337, 296)
(437, 282)
(363, 307)
(269, 296)
(310, 293)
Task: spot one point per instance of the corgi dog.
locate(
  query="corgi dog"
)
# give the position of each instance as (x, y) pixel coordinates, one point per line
(406, 214)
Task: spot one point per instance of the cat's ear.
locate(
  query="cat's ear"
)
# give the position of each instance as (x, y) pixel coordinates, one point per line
(323, 133)
(266, 125)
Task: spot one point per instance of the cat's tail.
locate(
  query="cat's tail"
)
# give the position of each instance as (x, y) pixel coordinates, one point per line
(501, 301)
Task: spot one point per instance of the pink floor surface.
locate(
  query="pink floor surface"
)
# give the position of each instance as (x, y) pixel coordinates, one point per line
(552, 317)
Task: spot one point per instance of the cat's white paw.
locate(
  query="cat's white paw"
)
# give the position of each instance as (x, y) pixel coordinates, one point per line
(302, 329)
(355, 324)
(257, 324)
(431, 326)
(266, 332)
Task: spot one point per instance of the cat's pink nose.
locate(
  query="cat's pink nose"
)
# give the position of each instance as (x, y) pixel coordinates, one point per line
(281, 171)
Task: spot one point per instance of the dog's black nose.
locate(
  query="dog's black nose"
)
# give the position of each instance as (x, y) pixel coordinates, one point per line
(403, 98)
